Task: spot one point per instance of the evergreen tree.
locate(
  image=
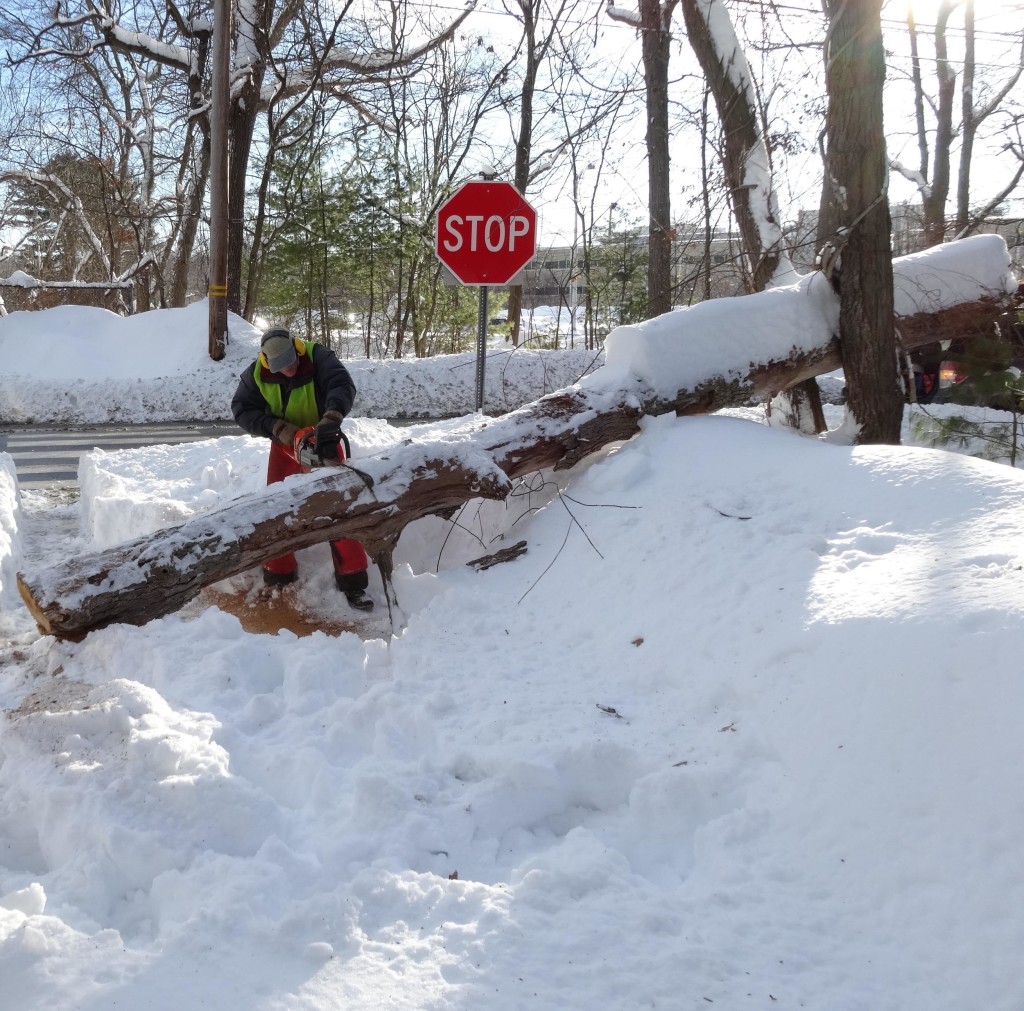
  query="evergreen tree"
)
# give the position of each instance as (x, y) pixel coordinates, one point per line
(617, 278)
(77, 221)
(989, 380)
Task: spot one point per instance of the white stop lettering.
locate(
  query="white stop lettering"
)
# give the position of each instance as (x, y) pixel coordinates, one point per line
(494, 245)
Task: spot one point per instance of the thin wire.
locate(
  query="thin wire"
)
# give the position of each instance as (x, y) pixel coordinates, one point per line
(759, 6)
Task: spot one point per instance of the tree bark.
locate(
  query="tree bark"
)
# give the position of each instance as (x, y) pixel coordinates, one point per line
(856, 163)
(242, 124)
(377, 497)
(933, 201)
(524, 145)
(656, 41)
(968, 125)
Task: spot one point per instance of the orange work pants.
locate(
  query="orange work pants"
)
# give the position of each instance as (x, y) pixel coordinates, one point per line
(349, 557)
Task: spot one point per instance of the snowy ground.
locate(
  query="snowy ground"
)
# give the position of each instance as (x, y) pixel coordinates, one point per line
(742, 729)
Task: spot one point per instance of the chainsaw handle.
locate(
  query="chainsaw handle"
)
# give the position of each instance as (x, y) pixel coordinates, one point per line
(305, 454)
(300, 441)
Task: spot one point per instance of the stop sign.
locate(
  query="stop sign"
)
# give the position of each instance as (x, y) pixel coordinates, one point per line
(486, 232)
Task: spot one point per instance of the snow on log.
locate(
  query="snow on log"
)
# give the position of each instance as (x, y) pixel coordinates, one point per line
(721, 352)
(713, 355)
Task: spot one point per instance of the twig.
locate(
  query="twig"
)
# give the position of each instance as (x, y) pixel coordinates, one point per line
(509, 554)
(568, 530)
(562, 498)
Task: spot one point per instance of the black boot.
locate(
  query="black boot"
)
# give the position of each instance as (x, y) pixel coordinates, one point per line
(359, 600)
(355, 595)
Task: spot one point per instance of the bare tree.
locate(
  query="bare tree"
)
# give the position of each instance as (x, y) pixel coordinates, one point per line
(859, 260)
(433, 126)
(746, 158)
(653, 21)
(937, 129)
(541, 22)
(592, 255)
(132, 125)
(748, 170)
(281, 52)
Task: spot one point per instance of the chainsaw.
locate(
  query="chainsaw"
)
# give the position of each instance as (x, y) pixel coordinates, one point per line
(308, 456)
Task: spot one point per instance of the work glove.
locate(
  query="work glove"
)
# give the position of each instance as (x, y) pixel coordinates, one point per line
(284, 432)
(328, 435)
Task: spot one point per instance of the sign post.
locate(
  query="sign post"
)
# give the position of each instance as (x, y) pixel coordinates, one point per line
(486, 233)
(481, 346)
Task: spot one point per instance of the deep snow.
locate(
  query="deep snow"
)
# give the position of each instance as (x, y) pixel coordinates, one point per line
(742, 729)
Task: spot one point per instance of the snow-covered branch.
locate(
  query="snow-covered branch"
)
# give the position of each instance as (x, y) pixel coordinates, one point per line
(911, 175)
(623, 15)
(145, 45)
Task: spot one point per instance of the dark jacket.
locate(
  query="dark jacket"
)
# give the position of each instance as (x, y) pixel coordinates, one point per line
(332, 385)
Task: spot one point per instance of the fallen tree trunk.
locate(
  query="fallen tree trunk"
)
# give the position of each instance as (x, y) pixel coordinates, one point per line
(374, 499)
(158, 573)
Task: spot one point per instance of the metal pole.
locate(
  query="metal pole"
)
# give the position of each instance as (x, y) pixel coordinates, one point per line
(217, 293)
(481, 348)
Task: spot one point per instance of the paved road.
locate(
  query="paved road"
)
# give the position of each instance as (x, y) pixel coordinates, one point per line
(47, 455)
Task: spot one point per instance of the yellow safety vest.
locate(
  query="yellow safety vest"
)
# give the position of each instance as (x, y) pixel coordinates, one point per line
(301, 409)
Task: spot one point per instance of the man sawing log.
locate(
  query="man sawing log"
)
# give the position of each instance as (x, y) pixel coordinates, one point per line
(373, 499)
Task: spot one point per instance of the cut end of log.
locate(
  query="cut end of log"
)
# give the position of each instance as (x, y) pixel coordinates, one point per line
(38, 615)
(53, 619)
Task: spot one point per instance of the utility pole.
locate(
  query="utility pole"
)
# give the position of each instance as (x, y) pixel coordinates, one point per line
(217, 293)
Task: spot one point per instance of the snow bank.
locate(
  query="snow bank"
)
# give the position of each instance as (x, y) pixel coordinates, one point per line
(445, 385)
(10, 543)
(82, 365)
(740, 786)
(121, 500)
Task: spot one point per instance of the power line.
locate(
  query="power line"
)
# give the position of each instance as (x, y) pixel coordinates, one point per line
(757, 6)
(923, 29)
